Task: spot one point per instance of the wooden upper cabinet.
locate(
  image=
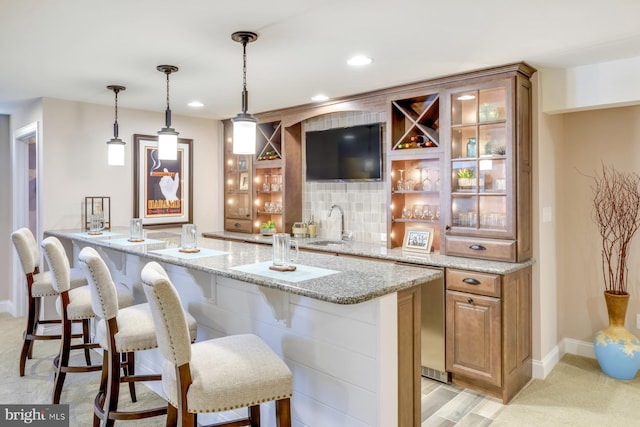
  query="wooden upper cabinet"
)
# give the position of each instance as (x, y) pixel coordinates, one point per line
(459, 163)
(267, 186)
(488, 156)
(238, 200)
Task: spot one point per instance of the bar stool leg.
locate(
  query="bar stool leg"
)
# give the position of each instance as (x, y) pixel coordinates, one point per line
(28, 333)
(86, 340)
(61, 361)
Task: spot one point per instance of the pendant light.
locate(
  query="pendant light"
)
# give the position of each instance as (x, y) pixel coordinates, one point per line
(115, 146)
(167, 136)
(244, 124)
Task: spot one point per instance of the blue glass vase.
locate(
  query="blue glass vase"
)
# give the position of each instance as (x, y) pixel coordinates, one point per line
(617, 350)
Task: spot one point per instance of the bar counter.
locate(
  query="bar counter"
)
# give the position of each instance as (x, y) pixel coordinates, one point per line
(356, 281)
(347, 327)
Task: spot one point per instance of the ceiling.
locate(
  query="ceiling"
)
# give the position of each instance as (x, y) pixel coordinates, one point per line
(72, 49)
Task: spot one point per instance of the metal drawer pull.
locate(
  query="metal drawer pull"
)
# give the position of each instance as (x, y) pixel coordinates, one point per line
(477, 248)
(470, 300)
(471, 281)
(237, 225)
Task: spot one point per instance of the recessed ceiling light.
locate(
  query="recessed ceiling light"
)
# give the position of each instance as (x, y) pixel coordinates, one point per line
(359, 60)
(195, 104)
(319, 98)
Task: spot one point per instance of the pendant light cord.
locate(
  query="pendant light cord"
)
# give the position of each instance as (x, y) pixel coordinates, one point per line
(167, 114)
(244, 76)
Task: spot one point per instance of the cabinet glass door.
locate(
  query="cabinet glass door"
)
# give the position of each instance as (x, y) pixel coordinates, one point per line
(479, 169)
(237, 185)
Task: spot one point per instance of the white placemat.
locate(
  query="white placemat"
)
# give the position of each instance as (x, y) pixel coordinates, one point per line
(301, 273)
(204, 252)
(104, 233)
(126, 242)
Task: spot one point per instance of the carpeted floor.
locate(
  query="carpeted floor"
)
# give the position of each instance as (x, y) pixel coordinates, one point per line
(575, 393)
(37, 385)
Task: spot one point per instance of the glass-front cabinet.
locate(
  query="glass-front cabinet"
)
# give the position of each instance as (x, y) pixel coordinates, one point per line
(479, 132)
(238, 212)
(489, 167)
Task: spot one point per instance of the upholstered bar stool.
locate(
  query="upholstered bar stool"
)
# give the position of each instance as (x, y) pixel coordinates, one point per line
(39, 285)
(120, 331)
(215, 375)
(72, 304)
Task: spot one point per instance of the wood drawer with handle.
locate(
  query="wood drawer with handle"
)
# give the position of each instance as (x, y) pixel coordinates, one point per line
(473, 282)
(239, 225)
(495, 249)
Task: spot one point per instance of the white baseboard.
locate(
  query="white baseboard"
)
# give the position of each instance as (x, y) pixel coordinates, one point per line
(542, 368)
(7, 307)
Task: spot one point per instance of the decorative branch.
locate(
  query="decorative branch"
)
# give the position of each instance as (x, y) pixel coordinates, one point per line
(616, 213)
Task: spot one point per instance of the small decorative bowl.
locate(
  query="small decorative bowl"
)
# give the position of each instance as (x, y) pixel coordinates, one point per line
(267, 231)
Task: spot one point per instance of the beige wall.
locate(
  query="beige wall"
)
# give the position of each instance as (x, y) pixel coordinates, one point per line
(73, 139)
(74, 162)
(610, 136)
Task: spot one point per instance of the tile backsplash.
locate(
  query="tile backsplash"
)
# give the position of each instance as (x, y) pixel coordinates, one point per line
(364, 203)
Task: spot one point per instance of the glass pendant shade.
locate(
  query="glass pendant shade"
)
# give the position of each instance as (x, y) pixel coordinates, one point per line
(244, 134)
(167, 144)
(244, 124)
(115, 152)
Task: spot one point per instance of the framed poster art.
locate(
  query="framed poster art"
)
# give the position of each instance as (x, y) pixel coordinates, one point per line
(162, 189)
(418, 239)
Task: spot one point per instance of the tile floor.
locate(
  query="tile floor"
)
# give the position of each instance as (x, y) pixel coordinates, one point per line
(445, 405)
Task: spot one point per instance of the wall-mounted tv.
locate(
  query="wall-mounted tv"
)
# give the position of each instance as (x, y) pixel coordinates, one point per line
(345, 154)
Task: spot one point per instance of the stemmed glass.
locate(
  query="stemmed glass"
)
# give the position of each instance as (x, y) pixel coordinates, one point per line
(427, 185)
(265, 185)
(400, 184)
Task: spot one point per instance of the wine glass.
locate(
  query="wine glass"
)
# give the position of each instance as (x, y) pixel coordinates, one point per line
(417, 211)
(400, 184)
(265, 185)
(406, 213)
(427, 185)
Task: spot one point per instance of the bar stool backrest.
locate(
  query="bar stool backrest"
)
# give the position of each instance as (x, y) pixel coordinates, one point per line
(27, 248)
(104, 298)
(58, 263)
(166, 308)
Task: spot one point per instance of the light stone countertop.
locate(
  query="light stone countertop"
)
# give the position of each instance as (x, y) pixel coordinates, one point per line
(380, 251)
(358, 280)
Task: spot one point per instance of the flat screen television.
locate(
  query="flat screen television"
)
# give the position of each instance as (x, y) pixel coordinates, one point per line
(345, 154)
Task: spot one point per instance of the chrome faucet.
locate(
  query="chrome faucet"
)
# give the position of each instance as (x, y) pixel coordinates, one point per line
(343, 234)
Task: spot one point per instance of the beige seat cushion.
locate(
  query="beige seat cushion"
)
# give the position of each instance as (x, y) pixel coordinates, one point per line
(136, 330)
(231, 372)
(42, 286)
(80, 302)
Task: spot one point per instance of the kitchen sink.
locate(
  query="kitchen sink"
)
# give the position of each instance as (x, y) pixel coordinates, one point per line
(327, 243)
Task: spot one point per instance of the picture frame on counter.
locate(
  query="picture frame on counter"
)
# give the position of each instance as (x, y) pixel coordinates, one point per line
(162, 189)
(418, 239)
